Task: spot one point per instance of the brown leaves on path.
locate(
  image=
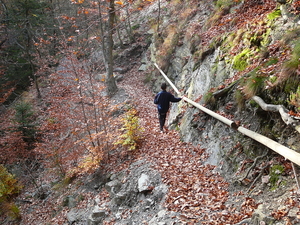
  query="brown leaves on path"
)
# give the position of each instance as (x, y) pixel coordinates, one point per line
(196, 191)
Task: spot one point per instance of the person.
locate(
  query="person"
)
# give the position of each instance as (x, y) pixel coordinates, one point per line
(162, 100)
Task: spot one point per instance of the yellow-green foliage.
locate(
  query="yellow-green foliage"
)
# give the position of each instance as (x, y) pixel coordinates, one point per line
(275, 14)
(240, 61)
(9, 187)
(13, 211)
(132, 130)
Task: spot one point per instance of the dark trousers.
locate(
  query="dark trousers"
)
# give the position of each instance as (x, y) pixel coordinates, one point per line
(162, 120)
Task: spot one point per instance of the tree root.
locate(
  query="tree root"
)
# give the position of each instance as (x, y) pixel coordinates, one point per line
(285, 116)
(256, 178)
(225, 90)
(254, 164)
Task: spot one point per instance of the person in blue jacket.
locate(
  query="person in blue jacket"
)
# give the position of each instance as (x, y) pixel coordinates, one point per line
(163, 99)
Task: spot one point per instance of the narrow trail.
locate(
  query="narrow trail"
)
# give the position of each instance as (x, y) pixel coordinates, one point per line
(195, 190)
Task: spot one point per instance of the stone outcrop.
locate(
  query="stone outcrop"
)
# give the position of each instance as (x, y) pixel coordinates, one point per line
(136, 195)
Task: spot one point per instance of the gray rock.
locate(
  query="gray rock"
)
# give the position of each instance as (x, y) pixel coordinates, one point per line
(143, 183)
(120, 70)
(113, 187)
(76, 215)
(98, 213)
(42, 192)
(69, 201)
(143, 67)
(120, 198)
(119, 78)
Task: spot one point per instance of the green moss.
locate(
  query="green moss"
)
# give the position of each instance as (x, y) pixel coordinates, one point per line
(240, 61)
(224, 3)
(197, 65)
(275, 174)
(265, 37)
(214, 68)
(275, 14)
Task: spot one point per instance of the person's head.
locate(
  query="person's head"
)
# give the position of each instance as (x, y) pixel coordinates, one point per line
(163, 86)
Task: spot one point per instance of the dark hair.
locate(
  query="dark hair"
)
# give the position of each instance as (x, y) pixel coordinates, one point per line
(163, 86)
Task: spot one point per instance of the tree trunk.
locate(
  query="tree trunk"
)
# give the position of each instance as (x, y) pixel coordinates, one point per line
(129, 29)
(28, 48)
(110, 80)
(118, 32)
(158, 17)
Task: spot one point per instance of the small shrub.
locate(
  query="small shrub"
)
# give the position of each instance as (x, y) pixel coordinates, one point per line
(254, 84)
(295, 99)
(25, 121)
(14, 212)
(290, 67)
(132, 130)
(9, 187)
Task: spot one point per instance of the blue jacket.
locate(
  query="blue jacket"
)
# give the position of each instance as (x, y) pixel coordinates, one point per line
(163, 99)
